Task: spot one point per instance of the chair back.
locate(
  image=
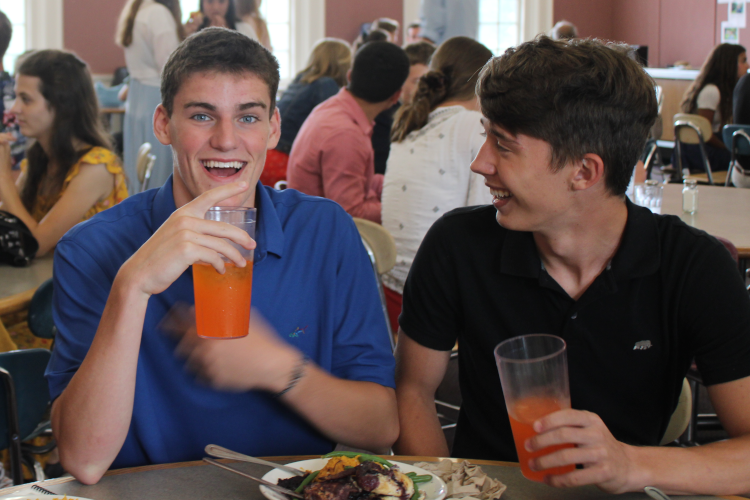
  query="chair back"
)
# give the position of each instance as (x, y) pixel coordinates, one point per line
(737, 138)
(380, 241)
(141, 163)
(691, 129)
(681, 416)
(40, 319)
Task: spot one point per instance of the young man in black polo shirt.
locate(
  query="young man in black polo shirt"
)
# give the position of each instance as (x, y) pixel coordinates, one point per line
(636, 296)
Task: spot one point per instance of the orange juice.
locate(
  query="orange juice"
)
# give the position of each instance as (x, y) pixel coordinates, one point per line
(222, 301)
(525, 412)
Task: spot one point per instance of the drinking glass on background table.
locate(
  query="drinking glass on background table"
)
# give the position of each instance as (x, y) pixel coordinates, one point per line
(650, 195)
(534, 376)
(222, 301)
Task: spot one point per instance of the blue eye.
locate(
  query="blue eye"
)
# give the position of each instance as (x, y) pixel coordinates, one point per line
(201, 117)
(249, 119)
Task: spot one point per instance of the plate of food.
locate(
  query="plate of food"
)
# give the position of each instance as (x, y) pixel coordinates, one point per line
(347, 475)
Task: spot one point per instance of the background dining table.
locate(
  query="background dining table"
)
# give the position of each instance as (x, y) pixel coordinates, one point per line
(201, 481)
(17, 287)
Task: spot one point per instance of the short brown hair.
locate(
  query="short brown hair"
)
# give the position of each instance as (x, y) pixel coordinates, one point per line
(580, 96)
(218, 50)
(419, 53)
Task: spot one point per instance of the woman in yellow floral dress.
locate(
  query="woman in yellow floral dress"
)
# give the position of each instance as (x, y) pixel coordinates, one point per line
(70, 173)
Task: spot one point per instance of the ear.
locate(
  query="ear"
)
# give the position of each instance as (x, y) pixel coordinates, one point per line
(161, 125)
(275, 131)
(588, 172)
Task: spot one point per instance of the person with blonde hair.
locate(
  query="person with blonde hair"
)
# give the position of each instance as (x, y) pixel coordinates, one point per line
(435, 138)
(249, 12)
(322, 78)
(148, 32)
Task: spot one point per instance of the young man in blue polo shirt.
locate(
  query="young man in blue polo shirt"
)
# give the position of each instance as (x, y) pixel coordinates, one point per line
(636, 296)
(318, 370)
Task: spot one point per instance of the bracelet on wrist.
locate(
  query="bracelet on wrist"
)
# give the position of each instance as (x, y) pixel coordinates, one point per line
(297, 374)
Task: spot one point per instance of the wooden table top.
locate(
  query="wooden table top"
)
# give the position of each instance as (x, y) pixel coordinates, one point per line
(199, 481)
(722, 211)
(17, 284)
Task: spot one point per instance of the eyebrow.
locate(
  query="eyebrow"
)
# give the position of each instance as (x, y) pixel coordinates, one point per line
(497, 133)
(242, 107)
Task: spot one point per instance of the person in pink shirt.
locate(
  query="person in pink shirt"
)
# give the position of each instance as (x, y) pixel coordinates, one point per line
(332, 155)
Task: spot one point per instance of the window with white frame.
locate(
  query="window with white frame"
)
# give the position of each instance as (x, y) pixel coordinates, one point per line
(499, 24)
(16, 12)
(278, 15)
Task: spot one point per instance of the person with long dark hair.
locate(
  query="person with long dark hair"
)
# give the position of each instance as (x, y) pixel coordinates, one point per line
(710, 96)
(70, 172)
(220, 14)
(148, 32)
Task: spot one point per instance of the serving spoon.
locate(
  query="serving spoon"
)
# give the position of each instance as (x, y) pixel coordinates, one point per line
(275, 487)
(220, 452)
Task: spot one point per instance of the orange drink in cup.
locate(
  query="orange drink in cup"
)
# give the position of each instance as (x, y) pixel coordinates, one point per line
(534, 376)
(222, 301)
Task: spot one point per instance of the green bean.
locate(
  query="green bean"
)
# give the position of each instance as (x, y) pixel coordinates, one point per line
(308, 479)
(415, 496)
(362, 457)
(421, 479)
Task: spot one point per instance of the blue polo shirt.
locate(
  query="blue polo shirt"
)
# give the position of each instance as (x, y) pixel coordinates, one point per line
(312, 280)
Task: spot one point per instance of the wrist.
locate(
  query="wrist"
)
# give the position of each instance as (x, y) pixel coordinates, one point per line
(640, 473)
(288, 369)
(127, 286)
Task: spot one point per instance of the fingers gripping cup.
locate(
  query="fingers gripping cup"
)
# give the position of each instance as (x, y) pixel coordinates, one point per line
(534, 376)
(222, 301)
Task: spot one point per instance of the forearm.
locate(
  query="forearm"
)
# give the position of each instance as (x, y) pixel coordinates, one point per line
(92, 416)
(421, 434)
(721, 468)
(357, 414)
(370, 209)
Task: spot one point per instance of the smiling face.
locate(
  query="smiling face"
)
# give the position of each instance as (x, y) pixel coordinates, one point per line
(34, 114)
(220, 129)
(528, 194)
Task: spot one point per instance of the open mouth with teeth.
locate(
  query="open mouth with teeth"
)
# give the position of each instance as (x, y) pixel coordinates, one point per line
(223, 168)
(501, 194)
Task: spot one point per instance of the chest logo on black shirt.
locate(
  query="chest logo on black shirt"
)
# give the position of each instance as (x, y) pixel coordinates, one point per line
(642, 345)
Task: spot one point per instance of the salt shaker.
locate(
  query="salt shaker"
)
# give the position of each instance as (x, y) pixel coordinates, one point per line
(690, 196)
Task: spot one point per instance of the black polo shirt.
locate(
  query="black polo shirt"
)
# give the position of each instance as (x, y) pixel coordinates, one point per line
(671, 293)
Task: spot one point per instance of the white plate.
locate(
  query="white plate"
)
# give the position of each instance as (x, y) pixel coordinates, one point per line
(434, 490)
(44, 496)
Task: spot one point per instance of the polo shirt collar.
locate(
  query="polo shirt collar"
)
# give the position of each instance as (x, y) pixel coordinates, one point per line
(356, 111)
(269, 234)
(639, 253)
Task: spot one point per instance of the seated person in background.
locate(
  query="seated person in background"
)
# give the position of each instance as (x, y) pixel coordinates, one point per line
(8, 94)
(323, 77)
(376, 35)
(413, 33)
(562, 251)
(710, 96)
(219, 14)
(70, 172)
(127, 394)
(332, 155)
(390, 26)
(419, 57)
(248, 11)
(444, 19)
(436, 137)
(741, 102)
(563, 30)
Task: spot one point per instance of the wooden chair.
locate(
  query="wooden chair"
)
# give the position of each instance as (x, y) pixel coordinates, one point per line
(694, 129)
(381, 248)
(681, 416)
(144, 163)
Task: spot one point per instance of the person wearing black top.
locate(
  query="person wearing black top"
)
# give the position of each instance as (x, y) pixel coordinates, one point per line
(636, 296)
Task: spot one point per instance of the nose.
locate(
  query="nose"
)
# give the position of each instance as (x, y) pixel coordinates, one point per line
(483, 164)
(224, 137)
(15, 108)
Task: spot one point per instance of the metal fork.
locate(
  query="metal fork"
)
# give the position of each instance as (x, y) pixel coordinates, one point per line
(38, 488)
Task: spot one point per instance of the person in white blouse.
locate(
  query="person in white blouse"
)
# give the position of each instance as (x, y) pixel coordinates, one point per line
(221, 14)
(148, 31)
(435, 139)
(710, 96)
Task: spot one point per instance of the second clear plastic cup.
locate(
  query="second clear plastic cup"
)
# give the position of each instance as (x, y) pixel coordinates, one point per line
(534, 376)
(222, 301)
